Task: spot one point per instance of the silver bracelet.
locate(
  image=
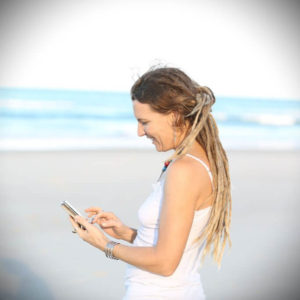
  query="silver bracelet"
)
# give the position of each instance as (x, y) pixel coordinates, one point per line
(109, 249)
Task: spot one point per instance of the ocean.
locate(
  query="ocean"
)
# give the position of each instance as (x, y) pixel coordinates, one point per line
(41, 119)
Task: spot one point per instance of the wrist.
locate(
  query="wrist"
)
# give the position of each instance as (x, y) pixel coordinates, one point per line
(102, 243)
(130, 234)
(109, 249)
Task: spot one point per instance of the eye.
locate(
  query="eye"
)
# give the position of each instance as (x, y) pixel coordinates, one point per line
(143, 123)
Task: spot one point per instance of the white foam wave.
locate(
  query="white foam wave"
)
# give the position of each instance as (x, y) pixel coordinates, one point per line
(273, 119)
(221, 116)
(69, 108)
(261, 119)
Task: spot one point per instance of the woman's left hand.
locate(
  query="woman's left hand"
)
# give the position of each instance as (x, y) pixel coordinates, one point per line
(89, 232)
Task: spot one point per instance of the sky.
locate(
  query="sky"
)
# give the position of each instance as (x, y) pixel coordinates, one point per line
(237, 48)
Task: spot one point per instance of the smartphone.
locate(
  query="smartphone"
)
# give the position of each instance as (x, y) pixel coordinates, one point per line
(72, 211)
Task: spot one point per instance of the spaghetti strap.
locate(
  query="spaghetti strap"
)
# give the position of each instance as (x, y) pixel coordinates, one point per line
(203, 164)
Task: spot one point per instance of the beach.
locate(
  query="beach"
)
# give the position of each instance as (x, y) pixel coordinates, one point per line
(41, 259)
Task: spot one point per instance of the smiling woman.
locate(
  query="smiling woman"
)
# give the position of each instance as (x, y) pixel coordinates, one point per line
(164, 258)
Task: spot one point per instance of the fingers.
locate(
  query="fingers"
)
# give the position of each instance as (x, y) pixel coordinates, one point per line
(93, 210)
(103, 216)
(109, 223)
(74, 224)
(79, 223)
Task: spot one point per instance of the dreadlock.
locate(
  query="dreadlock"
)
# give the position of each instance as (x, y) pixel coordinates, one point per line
(169, 89)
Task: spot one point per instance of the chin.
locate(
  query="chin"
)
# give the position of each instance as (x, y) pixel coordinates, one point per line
(162, 149)
(158, 148)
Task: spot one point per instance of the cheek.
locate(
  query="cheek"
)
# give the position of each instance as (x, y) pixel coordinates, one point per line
(165, 135)
(151, 129)
(160, 132)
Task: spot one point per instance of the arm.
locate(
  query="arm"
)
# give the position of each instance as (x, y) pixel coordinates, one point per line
(181, 193)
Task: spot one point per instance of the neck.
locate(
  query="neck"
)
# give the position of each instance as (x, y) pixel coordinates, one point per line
(196, 148)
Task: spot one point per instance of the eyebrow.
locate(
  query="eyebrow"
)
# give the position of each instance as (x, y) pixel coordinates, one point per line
(140, 120)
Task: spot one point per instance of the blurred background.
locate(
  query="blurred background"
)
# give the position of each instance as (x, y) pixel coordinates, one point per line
(67, 132)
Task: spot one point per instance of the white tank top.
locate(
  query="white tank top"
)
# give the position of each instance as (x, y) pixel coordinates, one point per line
(186, 274)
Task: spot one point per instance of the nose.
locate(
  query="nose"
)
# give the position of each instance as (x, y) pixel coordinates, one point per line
(140, 131)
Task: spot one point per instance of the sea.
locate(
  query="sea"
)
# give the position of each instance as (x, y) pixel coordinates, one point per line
(47, 119)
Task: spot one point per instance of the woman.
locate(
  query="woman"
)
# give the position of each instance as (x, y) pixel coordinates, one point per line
(189, 209)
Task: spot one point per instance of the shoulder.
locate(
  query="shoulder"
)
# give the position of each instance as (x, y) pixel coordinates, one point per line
(185, 167)
(181, 166)
(184, 172)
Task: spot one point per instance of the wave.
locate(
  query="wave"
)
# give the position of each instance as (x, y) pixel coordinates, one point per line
(43, 104)
(57, 109)
(62, 121)
(269, 119)
(260, 119)
(105, 115)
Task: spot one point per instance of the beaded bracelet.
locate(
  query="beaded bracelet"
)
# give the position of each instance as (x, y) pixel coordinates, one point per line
(109, 250)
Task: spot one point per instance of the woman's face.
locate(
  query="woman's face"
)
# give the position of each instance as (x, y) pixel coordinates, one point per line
(156, 126)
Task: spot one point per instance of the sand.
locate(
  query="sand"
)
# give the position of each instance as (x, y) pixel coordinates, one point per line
(41, 259)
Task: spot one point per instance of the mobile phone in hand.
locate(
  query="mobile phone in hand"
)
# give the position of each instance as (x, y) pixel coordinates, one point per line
(71, 210)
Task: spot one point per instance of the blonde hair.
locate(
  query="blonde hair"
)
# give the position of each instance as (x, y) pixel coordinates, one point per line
(170, 89)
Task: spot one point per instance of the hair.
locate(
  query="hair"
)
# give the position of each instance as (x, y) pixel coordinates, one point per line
(169, 90)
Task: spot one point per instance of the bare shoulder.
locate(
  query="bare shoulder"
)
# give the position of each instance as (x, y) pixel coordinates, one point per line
(187, 173)
(181, 166)
(185, 166)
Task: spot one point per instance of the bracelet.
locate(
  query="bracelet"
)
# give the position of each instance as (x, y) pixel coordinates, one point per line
(109, 249)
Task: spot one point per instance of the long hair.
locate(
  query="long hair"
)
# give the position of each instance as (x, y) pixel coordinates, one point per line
(169, 90)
